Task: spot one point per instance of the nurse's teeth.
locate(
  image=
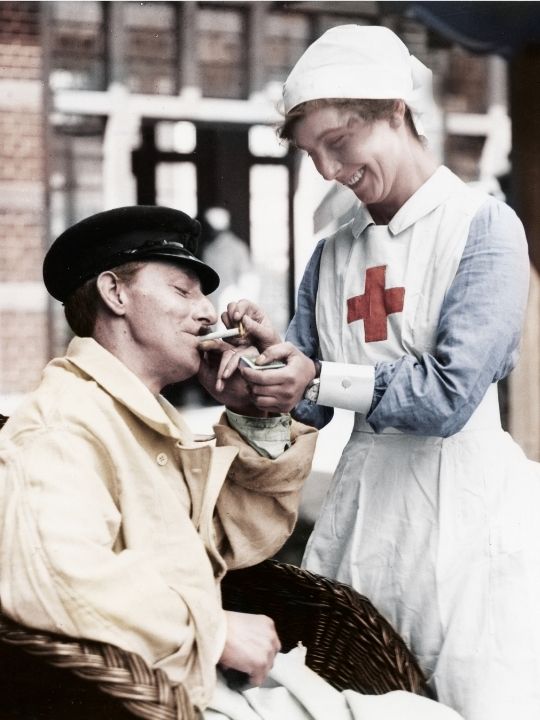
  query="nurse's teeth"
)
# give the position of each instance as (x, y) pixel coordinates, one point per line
(355, 178)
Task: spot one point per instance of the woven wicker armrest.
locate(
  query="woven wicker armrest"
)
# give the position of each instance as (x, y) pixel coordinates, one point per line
(349, 643)
(132, 687)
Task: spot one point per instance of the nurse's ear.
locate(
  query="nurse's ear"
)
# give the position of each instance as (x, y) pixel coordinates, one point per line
(397, 117)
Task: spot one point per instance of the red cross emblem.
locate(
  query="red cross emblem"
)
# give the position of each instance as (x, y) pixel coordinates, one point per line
(374, 306)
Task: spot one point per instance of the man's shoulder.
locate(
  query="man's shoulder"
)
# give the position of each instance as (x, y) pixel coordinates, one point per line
(64, 402)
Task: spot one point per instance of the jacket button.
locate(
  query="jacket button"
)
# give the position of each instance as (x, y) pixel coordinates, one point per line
(162, 459)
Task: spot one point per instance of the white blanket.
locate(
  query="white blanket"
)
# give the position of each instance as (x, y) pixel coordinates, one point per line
(294, 692)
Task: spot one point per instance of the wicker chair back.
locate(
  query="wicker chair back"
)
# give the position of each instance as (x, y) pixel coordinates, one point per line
(349, 643)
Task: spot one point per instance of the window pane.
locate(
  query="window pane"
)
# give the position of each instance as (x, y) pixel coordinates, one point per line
(287, 36)
(76, 171)
(222, 62)
(264, 142)
(150, 47)
(269, 220)
(178, 137)
(78, 46)
(465, 88)
(463, 155)
(176, 186)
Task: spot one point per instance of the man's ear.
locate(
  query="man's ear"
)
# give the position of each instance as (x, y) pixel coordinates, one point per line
(398, 114)
(112, 292)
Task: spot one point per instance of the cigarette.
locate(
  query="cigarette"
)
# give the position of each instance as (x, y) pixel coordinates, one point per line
(220, 334)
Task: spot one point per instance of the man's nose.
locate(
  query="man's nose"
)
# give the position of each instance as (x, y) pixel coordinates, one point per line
(205, 311)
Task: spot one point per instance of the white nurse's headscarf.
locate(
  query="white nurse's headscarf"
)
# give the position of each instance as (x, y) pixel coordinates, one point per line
(361, 62)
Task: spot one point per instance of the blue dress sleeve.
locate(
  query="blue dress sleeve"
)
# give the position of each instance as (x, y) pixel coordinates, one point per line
(302, 333)
(477, 339)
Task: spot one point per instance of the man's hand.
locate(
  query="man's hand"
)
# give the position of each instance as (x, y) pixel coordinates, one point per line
(280, 390)
(230, 390)
(251, 645)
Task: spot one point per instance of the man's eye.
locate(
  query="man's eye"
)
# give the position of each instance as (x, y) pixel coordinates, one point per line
(182, 291)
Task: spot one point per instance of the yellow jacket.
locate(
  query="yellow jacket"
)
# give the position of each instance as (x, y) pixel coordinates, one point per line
(117, 525)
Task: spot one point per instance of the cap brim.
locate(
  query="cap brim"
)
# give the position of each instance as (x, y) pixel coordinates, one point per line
(208, 277)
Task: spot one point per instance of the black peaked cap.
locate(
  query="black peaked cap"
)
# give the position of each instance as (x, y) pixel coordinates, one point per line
(116, 237)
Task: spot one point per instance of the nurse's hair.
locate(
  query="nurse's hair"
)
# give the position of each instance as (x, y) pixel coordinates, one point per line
(368, 110)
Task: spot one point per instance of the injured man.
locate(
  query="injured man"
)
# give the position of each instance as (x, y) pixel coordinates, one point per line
(117, 523)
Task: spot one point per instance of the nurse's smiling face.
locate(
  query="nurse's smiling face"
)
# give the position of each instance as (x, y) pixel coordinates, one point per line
(370, 158)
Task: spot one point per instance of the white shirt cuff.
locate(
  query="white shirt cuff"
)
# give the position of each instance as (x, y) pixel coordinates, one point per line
(347, 386)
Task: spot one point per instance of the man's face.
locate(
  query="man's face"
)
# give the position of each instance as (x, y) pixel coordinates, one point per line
(166, 312)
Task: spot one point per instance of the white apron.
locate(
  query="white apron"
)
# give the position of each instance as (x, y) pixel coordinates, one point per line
(442, 535)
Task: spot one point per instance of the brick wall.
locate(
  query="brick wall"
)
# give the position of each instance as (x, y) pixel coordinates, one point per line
(23, 316)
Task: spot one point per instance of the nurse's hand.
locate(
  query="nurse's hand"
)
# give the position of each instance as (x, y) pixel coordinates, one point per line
(259, 329)
(259, 335)
(250, 646)
(279, 391)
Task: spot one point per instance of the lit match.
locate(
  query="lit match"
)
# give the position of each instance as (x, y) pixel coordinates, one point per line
(222, 334)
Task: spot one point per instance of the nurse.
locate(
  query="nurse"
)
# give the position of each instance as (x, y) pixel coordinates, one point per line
(409, 315)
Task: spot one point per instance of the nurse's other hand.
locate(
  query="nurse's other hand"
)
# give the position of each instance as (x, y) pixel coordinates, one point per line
(280, 390)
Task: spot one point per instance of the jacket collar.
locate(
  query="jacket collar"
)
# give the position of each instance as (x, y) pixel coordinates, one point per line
(124, 386)
(429, 196)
